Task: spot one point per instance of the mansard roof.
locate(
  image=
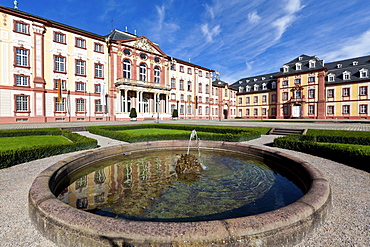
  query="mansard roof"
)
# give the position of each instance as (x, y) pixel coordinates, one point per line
(353, 66)
(219, 83)
(304, 62)
(116, 35)
(260, 80)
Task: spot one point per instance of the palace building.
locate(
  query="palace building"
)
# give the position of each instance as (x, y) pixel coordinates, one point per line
(52, 72)
(307, 87)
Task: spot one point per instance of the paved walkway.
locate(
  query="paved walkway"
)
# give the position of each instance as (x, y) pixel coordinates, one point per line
(347, 225)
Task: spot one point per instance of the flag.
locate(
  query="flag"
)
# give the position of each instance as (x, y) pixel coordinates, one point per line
(60, 100)
(102, 94)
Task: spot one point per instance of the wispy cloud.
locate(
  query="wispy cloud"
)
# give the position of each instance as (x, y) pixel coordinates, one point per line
(354, 47)
(253, 17)
(210, 33)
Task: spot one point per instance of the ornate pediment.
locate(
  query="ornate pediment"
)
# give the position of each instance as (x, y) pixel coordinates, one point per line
(145, 45)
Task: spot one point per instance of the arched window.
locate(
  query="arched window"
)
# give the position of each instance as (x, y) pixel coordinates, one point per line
(126, 69)
(142, 72)
(157, 74)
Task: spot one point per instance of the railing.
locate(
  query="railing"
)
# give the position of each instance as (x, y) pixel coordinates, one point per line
(133, 82)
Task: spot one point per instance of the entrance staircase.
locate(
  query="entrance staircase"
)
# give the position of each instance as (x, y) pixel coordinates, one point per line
(286, 131)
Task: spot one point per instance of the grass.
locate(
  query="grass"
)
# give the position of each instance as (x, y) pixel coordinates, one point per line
(338, 133)
(12, 143)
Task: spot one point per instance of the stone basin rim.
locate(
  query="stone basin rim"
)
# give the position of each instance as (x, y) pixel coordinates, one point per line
(288, 225)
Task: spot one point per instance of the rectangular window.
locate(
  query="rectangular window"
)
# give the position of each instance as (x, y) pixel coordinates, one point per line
(173, 83)
(330, 93)
(363, 109)
(255, 112)
(59, 37)
(59, 106)
(59, 64)
(264, 98)
(21, 80)
(56, 84)
(363, 90)
(98, 47)
(255, 99)
(273, 111)
(81, 43)
(345, 92)
(297, 81)
(311, 109)
(330, 109)
(80, 86)
(264, 111)
(80, 105)
(98, 70)
(311, 79)
(247, 100)
(97, 88)
(273, 97)
(285, 83)
(200, 88)
(173, 67)
(181, 68)
(346, 109)
(80, 67)
(311, 93)
(181, 85)
(247, 112)
(189, 86)
(22, 103)
(98, 106)
(189, 71)
(182, 109)
(207, 88)
(240, 100)
(21, 27)
(21, 57)
(285, 96)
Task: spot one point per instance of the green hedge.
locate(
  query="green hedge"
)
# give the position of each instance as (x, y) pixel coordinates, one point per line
(351, 155)
(13, 157)
(214, 133)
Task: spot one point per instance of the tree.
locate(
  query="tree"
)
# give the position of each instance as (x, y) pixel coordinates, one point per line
(133, 113)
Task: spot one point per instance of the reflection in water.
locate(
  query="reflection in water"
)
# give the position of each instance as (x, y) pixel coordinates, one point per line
(138, 187)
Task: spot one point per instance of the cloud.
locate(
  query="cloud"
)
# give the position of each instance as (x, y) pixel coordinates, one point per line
(162, 28)
(354, 47)
(253, 17)
(210, 33)
(281, 24)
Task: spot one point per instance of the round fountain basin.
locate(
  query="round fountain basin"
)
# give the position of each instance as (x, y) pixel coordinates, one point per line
(69, 226)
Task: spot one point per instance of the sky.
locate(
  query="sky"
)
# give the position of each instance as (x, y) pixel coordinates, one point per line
(238, 38)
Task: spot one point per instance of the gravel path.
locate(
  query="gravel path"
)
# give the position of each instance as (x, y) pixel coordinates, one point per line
(347, 225)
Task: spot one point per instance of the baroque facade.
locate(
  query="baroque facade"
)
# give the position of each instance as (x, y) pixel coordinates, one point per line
(307, 87)
(52, 72)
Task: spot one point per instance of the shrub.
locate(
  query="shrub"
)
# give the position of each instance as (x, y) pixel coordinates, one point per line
(12, 157)
(133, 113)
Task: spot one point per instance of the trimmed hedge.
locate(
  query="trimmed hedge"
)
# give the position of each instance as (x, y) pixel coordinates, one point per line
(214, 133)
(350, 155)
(339, 136)
(13, 157)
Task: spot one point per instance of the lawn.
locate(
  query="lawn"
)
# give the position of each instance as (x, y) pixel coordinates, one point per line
(11, 143)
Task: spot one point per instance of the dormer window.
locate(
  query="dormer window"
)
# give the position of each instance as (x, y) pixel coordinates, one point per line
(346, 75)
(240, 89)
(263, 78)
(300, 58)
(285, 68)
(248, 88)
(298, 66)
(355, 63)
(255, 87)
(255, 79)
(312, 64)
(247, 81)
(331, 77)
(363, 73)
(264, 86)
(339, 65)
(240, 82)
(273, 85)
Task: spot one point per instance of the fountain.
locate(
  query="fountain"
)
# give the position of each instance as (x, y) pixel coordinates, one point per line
(188, 163)
(67, 210)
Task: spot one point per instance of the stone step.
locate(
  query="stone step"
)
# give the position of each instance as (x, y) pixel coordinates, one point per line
(287, 131)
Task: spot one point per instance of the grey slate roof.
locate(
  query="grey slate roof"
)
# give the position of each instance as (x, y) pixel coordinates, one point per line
(259, 80)
(304, 60)
(219, 83)
(120, 35)
(353, 66)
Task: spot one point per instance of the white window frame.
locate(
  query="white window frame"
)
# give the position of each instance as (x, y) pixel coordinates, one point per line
(157, 74)
(80, 105)
(142, 73)
(59, 106)
(21, 80)
(127, 69)
(80, 67)
(21, 103)
(60, 64)
(21, 27)
(346, 75)
(98, 70)
(22, 57)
